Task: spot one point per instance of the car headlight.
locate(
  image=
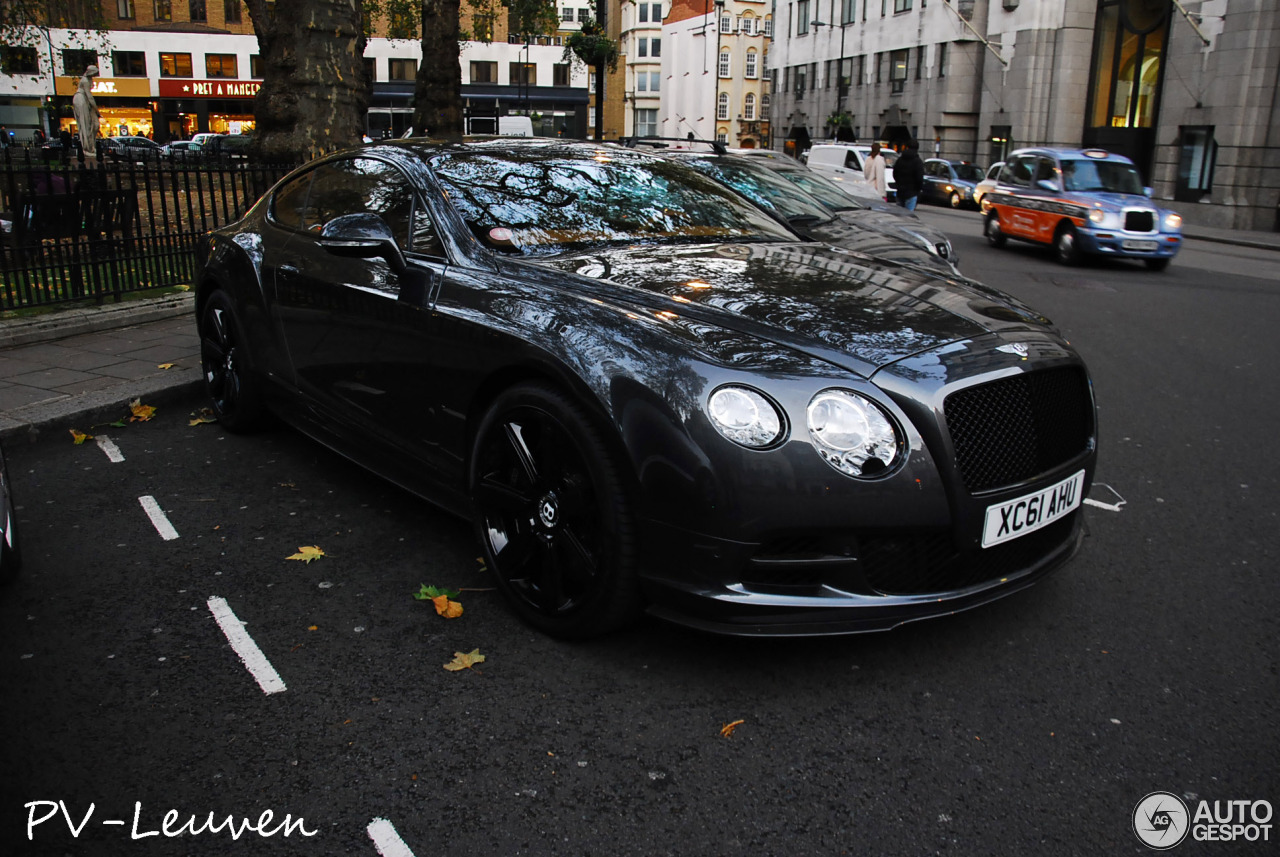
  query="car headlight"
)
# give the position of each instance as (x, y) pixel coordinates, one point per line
(1097, 215)
(1173, 220)
(852, 433)
(745, 417)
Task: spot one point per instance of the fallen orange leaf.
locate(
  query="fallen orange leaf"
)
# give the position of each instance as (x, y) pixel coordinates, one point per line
(727, 730)
(307, 554)
(165, 366)
(79, 437)
(141, 413)
(446, 608)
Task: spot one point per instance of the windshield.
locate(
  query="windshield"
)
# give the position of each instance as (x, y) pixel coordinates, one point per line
(546, 200)
(889, 155)
(967, 172)
(823, 190)
(1114, 176)
(762, 186)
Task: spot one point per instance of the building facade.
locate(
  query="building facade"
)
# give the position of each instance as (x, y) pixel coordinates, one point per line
(1188, 90)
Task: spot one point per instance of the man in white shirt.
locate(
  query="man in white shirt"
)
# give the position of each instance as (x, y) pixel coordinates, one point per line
(873, 171)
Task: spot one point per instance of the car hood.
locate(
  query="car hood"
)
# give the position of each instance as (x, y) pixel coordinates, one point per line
(1118, 200)
(866, 231)
(857, 311)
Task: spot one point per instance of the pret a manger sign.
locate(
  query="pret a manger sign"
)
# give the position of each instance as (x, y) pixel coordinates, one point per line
(209, 88)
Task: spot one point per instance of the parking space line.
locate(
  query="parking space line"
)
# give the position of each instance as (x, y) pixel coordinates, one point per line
(107, 445)
(158, 519)
(386, 840)
(244, 647)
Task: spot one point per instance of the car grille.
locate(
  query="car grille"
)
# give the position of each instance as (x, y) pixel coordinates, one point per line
(1140, 221)
(1014, 429)
(895, 563)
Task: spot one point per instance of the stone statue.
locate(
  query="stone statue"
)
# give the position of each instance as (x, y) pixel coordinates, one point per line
(86, 110)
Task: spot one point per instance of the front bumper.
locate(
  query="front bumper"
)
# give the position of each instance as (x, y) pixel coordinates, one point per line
(1130, 245)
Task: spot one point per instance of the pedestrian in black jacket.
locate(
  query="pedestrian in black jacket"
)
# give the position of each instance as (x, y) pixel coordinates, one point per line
(908, 175)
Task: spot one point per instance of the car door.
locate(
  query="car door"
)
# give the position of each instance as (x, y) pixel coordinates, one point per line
(359, 334)
(1017, 214)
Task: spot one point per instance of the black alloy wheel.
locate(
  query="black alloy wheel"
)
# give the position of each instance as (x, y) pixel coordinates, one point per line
(228, 373)
(1066, 245)
(553, 515)
(995, 235)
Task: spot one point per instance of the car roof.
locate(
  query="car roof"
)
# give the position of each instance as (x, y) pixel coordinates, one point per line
(1093, 153)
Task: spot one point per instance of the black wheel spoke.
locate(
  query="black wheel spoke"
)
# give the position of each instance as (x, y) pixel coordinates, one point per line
(502, 497)
(519, 446)
(579, 562)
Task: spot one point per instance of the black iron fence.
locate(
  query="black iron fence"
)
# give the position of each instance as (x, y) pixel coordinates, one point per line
(76, 232)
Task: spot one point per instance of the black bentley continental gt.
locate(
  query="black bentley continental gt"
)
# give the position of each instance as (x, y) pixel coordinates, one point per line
(648, 394)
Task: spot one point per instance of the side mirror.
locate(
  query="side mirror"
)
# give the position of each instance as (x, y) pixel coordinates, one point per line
(363, 236)
(1147, 191)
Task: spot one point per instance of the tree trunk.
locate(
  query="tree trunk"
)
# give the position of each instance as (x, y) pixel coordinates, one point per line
(437, 94)
(314, 95)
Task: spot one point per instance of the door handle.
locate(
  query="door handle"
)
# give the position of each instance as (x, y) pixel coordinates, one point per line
(288, 269)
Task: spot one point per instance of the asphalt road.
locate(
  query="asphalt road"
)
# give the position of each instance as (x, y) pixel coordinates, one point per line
(1031, 726)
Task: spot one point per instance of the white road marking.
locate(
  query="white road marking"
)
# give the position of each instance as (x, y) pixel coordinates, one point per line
(1110, 507)
(1107, 506)
(244, 646)
(107, 445)
(386, 840)
(156, 514)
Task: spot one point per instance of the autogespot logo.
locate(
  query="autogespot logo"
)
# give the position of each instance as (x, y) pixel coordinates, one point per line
(1161, 820)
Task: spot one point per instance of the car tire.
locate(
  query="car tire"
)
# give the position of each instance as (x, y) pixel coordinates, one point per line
(956, 200)
(229, 380)
(1156, 264)
(995, 235)
(1066, 245)
(553, 514)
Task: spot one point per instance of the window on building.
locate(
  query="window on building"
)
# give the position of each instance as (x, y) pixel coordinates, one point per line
(764, 105)
(584, 15)
(1198, 154)
(198, 10)
(655, 11)
(860, 69)
(768, 27)
(164, 10)
(722, 135)
(370, 68)
(726, 63)
(560, 74)
(124, 9)
(129, 63)
(656, 45)
(919, 62)
(401, 69)
(828, 75)
(655, 81)
(175, 65)
(802, 74)
(813, 76)
(751, 69)
(231, 11)
(642, 47)
(726, 24)
(642, 82)
(566, 14)
(898, 63)
(901, 6)
(722, 106)
(220, 65)
(848, 11)
(642, 11)
(255, 67)
(764, 63)
(523, 74)
(879, 65)
(484, 72)
(942, 59)
(74, 61)
(19, 59)
(749, 107)
(647, 123)
(802, 17)
(846, 73)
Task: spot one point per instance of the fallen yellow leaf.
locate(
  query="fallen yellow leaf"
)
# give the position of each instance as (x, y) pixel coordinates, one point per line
(165, 366)
(727, 730)
(141, 413)
(464, 662)
(307, 554)
(446, 608)
(79, 437)
(313, 627)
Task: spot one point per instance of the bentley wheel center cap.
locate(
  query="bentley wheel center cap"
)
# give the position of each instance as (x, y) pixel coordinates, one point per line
(549, 511)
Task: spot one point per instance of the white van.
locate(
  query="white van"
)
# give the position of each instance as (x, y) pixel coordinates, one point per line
(843, 163)
(508, 126)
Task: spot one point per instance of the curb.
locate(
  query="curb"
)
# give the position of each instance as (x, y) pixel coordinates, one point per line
(74, 322)
(32, 423)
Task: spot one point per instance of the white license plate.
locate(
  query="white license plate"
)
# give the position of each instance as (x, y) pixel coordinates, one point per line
(1030, 512)
(1140, 245)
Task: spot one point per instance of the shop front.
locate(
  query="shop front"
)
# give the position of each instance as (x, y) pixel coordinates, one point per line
(125, 106)
(188, 107)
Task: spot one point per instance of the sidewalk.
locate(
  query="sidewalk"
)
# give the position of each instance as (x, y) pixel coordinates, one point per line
(74, 368)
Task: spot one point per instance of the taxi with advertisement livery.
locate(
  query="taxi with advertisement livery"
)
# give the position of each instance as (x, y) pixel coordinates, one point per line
(1080, 202)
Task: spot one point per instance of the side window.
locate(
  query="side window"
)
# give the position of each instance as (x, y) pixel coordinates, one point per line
(1018, 172)
(1046, 171)
(367, 184)
(288, 208)
(851, 161)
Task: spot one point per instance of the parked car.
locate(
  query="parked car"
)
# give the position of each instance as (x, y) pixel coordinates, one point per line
(1081, 202)
(647, 393)
(10, 556)
(827, 213)
(844, 162)
(950, 182)
(130, 149)
(227, 147)
(982, 188)
(181, 151)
